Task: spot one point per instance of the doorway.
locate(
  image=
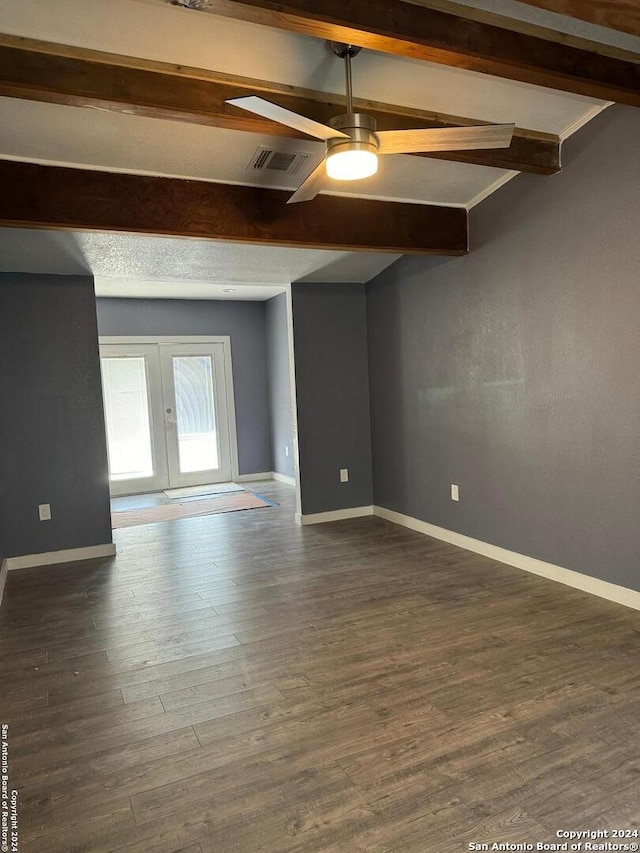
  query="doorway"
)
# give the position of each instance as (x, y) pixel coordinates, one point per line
(169, 413)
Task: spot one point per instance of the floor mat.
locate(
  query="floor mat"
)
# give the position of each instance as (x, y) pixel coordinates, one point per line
(203, 491)
(230, 502)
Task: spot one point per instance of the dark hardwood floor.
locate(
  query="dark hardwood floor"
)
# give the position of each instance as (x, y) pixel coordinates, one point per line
(235, 683)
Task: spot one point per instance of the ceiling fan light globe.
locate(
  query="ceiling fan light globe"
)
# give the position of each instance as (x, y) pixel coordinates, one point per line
(351, 165)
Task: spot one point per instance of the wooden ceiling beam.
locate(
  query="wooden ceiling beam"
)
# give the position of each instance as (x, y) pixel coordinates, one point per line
(418, 32)
(53, 73)
(528, 27)
(622, 15)
(35, 196)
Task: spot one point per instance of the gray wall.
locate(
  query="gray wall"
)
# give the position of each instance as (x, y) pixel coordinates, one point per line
(244, 323)
(52, 438)
(279, 370)
(515, 371)
(332, 391)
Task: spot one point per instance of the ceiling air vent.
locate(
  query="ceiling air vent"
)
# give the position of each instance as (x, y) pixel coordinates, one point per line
(266, 159)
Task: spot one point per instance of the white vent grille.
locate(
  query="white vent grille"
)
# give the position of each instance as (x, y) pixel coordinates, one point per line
(267, 159)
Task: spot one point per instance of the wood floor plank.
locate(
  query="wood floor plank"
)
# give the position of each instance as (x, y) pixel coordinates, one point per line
(122, 728)
(48, 717)
(113, 763)
(236, 752)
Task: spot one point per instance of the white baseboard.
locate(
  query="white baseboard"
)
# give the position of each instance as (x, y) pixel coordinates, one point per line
(283, 478)
(569, 577)
(247, 478)
(70, 555)
(265, 475)
(334, 515)
(4, 568)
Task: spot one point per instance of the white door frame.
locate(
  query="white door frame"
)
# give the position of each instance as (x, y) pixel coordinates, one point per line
(155, 409)
(225, 340)
(215, 353)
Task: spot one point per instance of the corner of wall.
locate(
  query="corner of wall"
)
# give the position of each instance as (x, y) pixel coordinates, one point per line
(4, 570)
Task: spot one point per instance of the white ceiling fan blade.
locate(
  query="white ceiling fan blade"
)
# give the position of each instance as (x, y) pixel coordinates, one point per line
(422, 141)
(310, 188)
(254, 104)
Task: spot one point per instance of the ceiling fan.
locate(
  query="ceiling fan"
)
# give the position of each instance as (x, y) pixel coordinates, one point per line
(353, 144)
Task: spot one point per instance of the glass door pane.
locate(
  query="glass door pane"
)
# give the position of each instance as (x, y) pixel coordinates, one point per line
(132, 395)
(195, 399)
(126, 398)
(198, 448)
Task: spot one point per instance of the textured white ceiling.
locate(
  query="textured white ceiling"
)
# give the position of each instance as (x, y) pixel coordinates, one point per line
(130, 289)
(146, 266)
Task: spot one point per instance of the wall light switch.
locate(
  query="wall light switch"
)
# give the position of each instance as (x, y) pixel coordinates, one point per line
(44, 512)
(344, 475)
(286, 450)
(455, 492)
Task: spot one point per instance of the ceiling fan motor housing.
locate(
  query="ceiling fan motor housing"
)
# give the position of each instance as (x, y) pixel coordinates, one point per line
(362, 130)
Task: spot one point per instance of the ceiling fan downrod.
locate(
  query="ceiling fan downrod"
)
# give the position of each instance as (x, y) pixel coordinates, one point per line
(346, 52)
(362, 147)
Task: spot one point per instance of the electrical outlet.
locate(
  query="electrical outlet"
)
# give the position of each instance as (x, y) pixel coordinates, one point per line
(455, 492)
(44, 512)
(344, 475)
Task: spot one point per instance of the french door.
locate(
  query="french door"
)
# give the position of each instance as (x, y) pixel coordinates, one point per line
(168, 413)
